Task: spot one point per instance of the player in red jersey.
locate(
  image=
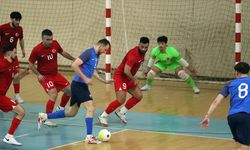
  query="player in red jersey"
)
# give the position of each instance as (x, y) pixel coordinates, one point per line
(7, 72)
(45, 54)
(125, 81)
(10, 33)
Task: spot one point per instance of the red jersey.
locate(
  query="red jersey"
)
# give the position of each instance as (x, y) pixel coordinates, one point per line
(46, 57)
(134, 59)
(6, 75)
(9, 35)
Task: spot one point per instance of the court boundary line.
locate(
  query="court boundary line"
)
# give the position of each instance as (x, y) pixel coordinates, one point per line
(73, 143)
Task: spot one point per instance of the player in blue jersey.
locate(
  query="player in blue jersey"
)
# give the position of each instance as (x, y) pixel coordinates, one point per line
(239, 112)
(84, 68)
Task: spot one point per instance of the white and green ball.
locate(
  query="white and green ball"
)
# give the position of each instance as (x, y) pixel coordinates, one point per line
(104, 135)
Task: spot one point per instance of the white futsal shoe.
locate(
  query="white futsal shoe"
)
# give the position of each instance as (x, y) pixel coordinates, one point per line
(121, 116)
(103, 121)
(196, 90)
(19, 99)
(146, 87)
(10, 139)
(58, 108)
(90, 139)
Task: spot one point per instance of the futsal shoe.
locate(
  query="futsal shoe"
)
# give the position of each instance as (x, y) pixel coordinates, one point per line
(10, 139)
(196, 90)
(19, 99)
(90, 139)
(58, 108)
(121, 116)
(49, 123)
(103, 121)
(42, 117)
(146, 87)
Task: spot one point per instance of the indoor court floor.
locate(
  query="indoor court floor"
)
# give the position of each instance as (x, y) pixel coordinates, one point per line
(167, 118)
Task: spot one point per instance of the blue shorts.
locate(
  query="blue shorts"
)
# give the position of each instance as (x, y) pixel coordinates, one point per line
(239, 124)
(79, 93)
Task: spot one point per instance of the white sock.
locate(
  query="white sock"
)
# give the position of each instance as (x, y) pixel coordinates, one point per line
(17, 95)
(104, 114)
(123, 110)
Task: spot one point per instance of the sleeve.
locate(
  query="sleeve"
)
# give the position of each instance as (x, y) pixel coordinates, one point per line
(4, 65)
(85, 55)
(33, 56)
(154, 53)
(176, 54)
(21, 33)
(59, 48)
(225, 90)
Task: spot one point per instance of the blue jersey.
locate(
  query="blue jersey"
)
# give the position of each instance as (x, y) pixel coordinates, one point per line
(90, 61)
(239, 91)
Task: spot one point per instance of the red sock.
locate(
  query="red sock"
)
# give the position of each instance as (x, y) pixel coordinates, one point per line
(50, 106)
(64, 100)
(132, 102)
(112, 106)
(15, 123)
(16, 87)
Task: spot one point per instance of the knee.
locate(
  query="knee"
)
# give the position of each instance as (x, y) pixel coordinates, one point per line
(91, 109)
(53, 95)
(151, 74)
(183, 75)
(68, 92)
(121, 100)
(22, 113)
(139, 96)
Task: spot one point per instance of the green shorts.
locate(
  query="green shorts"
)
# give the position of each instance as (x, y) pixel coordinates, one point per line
(163, 66)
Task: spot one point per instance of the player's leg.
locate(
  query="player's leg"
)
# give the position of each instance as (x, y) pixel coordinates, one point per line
(62, 84)
(89, 122)
(16, 82)
(120, 99)
(187, 78)
(131, 102)
(158, 67)
(65, 98)
(120, 84)
(7, 105)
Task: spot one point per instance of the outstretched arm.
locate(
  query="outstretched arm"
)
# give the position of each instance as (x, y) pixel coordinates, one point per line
(97, 76)
(213, 106)
(22, 47)
(67, 55)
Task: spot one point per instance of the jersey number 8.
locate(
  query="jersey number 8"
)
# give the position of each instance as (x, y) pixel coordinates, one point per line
(243, 90)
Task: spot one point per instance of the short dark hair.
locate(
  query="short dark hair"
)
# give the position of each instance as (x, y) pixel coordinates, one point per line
(104, 42)
(7, 48)
(15, 15)
(47, 32)
(162, 39)
(144, 40)
(242, 67)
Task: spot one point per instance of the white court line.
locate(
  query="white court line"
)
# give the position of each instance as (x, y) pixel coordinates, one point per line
(74, 143)
(172, 133)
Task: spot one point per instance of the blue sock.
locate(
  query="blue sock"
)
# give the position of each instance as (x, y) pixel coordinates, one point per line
(89, 124)
(58, 114)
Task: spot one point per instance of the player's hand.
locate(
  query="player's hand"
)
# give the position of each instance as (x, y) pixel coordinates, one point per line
(109, 81)
(8, 58)
(205, 122)
(89, 81)
(40, 77)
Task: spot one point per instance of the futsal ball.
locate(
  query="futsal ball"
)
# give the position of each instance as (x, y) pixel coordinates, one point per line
(104, 135)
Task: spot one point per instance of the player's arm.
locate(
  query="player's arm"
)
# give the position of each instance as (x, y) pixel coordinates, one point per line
(75, 66)
(21, 41)
(224, 93)
(127, 72)
(67, 55)
(97, 76)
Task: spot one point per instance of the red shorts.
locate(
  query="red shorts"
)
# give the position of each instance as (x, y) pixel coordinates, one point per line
(123, 84)
(7, 104)
(54, 81)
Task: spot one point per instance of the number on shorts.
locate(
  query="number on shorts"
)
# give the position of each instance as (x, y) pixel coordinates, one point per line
(50, 84)
(124, 86)
(11, 39)
(243, 90)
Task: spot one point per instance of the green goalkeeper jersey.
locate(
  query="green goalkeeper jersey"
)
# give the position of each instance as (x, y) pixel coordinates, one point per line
(168, 57)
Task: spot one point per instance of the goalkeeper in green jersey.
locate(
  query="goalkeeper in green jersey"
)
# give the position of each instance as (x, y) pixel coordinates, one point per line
(168, 58)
